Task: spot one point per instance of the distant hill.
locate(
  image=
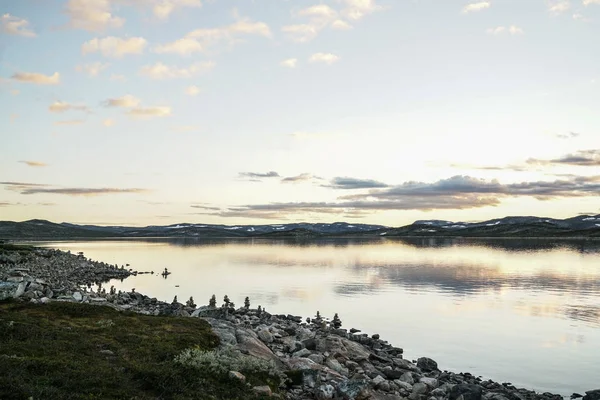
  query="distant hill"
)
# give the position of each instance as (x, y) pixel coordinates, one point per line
(580, 226)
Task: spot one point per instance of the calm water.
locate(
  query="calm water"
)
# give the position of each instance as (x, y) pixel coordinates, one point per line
(526, 312)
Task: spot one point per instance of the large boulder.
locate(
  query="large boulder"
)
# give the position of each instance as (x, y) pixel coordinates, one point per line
(427, 364)
(353, 389)
(466, 392)
(8, 290)
(592, 395)
(342, 347)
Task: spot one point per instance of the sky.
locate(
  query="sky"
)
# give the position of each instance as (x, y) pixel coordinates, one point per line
(154, 112)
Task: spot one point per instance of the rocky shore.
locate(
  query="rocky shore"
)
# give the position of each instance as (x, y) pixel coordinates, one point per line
(320, 359)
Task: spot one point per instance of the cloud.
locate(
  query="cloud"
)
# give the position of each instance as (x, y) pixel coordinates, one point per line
(15, 26)
(82, 191)
(126, 101)
(162, 71)
(164, 8)
(354, 183)
(201, 40)
(37, 78)
(184, 46)
(588, 2)
(108, 122)
(474, 7)
(298, 178)
(513, 30)
(581, 158)
(192, 90)
(155, 111)
(559, 7)
(569, 135)
(115, 47)
(301, 33)
(203, 207)
(92, 69)
(34, 163)
(327, 58)
(62, 106)
(259, 175)
(289, 63)
(70, 122)
(455, 193)
(340, 25)
(357, 9)
(92, 15)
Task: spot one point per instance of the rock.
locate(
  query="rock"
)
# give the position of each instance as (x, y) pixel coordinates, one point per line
(77, 296)
(302, 353)
(235, 375)
(98, 300)
(318, 358)
(404, 364)
(262, 390)
(466, 392)
(302, 363)
(324, 392)
(404, 385)
(393, 374)
(426, 364)
(375, 336)
(341, 346)
(407, 377)
(8, 290)
(336, 366)
(352, 389)
(431, 382)
(265, 335)
(44, 300)
(377, 380)
(107, 352)
(384, 386)
(384, 396)
(592, 395)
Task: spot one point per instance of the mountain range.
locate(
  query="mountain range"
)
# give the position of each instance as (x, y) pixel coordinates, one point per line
(579, 226)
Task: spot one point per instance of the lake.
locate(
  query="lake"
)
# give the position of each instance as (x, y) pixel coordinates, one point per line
(519, 311)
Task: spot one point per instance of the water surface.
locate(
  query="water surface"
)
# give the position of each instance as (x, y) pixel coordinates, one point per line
(520, 311)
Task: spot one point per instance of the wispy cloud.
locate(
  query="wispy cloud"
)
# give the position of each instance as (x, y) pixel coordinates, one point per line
(108, 122)
(115, 47)
(37, 78)
(92, 69)
(16, 26)
(559, 7)
(70, 122)
(38, 188)
(298, 178)
(204, 207)
(202, 40)
(357, 9)
(588, 2)
(458, 192)
(155, 111)
(126, 101)
(289, 63)
(192, 90)
(569, 135)
(118, 78)
(258, 175)
(92, 15)
(499, 30)
(162, 71)
(62, 106)
(474, 7)
(34, 163)
(326, 58)
(162, 9)
(355, 183)
(581, 158)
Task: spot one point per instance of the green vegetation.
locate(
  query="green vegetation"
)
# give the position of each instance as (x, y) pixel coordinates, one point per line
(65, 350)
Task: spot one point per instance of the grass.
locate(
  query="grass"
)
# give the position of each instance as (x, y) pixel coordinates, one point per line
(65, 350)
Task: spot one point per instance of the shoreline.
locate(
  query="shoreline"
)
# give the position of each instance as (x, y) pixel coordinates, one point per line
(328, 359)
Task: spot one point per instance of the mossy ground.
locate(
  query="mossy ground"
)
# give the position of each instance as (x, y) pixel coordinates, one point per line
(54, 351)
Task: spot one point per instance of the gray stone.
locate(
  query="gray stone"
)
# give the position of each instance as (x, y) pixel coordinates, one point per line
(318, 358)
(384, 386)
(265, 335)
(404, 364)
(237, 376)
(352, 389)
(44, 300)
(407, 377)
(431, 382)
(325, 392)
(21, 289)
(262, 390)
(98, 300)
(466, 392)
(336, 366)
(302, 353)
(77, 296)
(392, 374)
(404, 385)
(107, 352)
(427, 364)
(377, 380)
(419, 388)
(592, 395)
(7, 290)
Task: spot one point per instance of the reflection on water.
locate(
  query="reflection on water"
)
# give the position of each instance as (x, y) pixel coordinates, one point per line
(512, 310)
